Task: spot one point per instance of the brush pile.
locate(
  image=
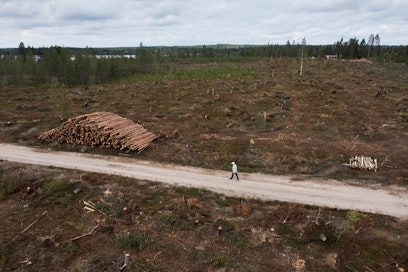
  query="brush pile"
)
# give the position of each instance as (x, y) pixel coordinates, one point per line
(101, 129)
(362, 162)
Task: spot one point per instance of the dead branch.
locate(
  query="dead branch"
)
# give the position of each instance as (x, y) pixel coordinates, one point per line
(391, 258)
(287, 217)
(35, 221)
(26, 262)
(386, 159)
(28, 227)
(85, 234)
(318, 216)
(369, 269)
(91, 207)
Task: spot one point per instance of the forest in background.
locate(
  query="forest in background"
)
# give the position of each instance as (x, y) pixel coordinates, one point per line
(69, 66)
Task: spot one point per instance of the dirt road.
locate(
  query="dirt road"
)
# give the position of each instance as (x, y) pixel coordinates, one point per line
(389, 201)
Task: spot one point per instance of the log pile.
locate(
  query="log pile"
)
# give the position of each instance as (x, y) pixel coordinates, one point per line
(361, 162)
(101, 129)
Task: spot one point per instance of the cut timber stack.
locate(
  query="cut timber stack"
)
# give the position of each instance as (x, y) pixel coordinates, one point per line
(101, 129)
(362, 162)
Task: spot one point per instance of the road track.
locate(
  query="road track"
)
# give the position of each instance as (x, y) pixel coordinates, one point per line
(378, 199)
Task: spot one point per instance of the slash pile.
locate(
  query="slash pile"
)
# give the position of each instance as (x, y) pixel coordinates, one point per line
(362, 162)
(101, 129)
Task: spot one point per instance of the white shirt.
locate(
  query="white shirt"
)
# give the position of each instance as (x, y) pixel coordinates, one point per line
(234, 168)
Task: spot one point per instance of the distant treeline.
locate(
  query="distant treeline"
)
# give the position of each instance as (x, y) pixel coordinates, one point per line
(87, 66)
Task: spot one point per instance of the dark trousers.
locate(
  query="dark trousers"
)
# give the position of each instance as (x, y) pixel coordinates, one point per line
(236, 174)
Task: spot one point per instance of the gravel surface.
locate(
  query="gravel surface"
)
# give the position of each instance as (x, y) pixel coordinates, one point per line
(327, 193)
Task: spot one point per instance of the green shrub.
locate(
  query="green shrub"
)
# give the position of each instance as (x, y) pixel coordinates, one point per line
(176, 221)
(69, 250)
(190, 191)
(99, 261)
(221, 259)
(59, 192)
(226, 201)
(10, 184)
(55, 187)
(356, 221)
(137, 241)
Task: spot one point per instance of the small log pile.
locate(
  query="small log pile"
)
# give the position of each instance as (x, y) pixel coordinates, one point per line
(362, 162)
(101, 129)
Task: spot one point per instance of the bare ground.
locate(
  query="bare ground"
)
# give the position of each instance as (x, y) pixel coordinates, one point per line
(303, 128)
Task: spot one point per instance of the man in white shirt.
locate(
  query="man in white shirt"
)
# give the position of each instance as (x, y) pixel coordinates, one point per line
(234, 170)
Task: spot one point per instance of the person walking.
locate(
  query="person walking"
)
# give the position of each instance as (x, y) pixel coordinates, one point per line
(234, 170)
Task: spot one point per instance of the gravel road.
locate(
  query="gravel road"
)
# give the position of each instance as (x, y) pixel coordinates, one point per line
(326, 193)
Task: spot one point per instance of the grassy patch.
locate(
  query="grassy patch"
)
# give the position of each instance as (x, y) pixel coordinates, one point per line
(190, 191)
(222, 259)
(4, 252)
(226, 201)
(224, 71)
(68, 250)
(135, 241)
(177, 221)
(11, 183)
(98, 262)
(371, 256)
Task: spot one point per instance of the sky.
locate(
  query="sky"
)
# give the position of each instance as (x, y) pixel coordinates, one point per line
(129, 23)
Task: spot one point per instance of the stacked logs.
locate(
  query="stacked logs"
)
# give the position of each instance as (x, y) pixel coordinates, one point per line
(101, 129)
(362, 162)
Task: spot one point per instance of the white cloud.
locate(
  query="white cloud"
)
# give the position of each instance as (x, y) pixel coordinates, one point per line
(187, 22)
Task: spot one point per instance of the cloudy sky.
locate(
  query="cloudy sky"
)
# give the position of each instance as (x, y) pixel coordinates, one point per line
(114, 23)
